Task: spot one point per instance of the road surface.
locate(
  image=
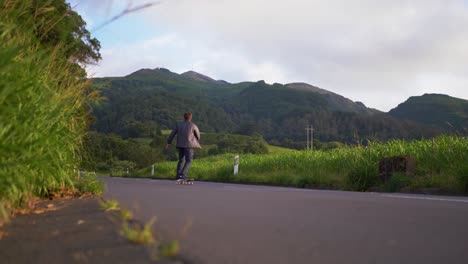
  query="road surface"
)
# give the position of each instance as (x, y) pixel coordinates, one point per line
(258, 224)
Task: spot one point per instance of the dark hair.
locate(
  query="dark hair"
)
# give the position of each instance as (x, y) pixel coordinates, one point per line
(188, 116)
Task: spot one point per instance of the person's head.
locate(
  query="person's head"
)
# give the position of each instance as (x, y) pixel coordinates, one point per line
(188, 116)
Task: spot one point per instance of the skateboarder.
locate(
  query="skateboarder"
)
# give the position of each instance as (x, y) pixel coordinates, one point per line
(188, 138)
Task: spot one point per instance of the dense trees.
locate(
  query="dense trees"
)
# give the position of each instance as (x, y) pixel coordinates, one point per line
(159, 97)
(436, 109)
(127, 104)
(108, 151)
(55, 24)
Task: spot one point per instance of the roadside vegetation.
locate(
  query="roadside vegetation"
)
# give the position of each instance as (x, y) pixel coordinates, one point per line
(43, 100)
(440, 163)
(112, 155)
(139, 233)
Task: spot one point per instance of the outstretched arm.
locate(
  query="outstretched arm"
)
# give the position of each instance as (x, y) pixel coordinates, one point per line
(196, 132)
(171, 137)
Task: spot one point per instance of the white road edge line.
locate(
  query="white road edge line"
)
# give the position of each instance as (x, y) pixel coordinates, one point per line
(425, 198)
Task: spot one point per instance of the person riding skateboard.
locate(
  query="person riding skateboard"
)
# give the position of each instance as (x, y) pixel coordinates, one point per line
(188, 139)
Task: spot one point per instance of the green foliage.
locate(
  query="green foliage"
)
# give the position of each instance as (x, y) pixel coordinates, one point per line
(363, 173)
(397, 182)
(112, 153)
(110, 205)
(4, 214)
(277, 150)
(131, 102)
(230, 143)
(126, 215)
(361, 178)
(440, 163)
(462, 177)
(137, 234)
(170, 249)
(55, 24)
(43, 102)
(121, 167)
(88, 183)
(276, 111)
(435, 109)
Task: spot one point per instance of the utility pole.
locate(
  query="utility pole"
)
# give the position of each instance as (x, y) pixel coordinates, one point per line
(310, 137)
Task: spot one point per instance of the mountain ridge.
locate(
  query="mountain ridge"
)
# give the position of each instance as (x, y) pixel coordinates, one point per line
(158, 97)
(436, 109)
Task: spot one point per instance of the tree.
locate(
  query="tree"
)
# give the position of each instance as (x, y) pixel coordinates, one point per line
(55, 24)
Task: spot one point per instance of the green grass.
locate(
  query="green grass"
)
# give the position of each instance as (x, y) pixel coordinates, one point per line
(42, 113)
(136, 233)
(166, 132)
(442, 163)
(110, 205)
(278, 150)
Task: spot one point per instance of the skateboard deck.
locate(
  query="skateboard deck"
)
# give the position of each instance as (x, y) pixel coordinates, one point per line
(187, 181)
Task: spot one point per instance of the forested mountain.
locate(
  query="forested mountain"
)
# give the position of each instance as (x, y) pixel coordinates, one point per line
(152, 99)
(335, 101)
(435, 109)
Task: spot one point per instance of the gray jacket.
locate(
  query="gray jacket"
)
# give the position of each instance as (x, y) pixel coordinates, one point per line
(188, 135)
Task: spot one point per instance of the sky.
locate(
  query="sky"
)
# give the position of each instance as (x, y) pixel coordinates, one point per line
(379, 52)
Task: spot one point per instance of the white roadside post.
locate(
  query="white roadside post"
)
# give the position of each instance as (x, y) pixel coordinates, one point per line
(152, 170)
(236, 164)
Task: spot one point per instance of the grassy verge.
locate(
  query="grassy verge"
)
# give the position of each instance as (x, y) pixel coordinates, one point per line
(441, 163)
(42, 110)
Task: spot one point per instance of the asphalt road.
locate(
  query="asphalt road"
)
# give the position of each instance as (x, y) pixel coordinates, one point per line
(257, 224)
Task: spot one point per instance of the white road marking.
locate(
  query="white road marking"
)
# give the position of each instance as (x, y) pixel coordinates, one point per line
(425, 198)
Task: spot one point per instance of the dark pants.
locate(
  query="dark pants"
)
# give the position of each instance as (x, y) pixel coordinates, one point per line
(185, 160)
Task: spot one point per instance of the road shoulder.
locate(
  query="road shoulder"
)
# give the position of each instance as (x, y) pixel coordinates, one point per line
(77, 231)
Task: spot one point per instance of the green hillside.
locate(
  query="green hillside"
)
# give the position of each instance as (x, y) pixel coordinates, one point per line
(152, 99)
(335, 101)
(435, 109)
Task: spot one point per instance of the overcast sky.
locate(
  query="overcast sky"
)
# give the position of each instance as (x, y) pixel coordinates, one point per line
(375, 51)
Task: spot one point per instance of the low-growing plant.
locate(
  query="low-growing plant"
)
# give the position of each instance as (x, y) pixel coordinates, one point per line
(88, 183)
(462, 173)
(110, 205)
(4, 214)
(170, 249)
(126, 214)
(397, 182)
(136, 233)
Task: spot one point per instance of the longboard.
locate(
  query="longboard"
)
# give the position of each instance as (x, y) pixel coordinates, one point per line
(187, 181)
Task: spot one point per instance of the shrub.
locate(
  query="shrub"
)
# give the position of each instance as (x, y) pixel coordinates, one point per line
(397, 182)
(43, 114)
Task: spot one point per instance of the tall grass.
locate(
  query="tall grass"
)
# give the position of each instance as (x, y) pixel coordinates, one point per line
(441, 163)
(42, 113)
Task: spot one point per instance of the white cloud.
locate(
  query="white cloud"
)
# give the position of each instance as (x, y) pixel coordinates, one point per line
(378, 52)
(124, 59)
(173, 52)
